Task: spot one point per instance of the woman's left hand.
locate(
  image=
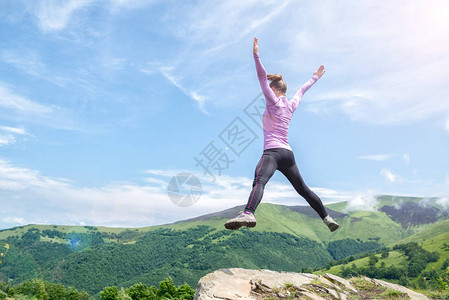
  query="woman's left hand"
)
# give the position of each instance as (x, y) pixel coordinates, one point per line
(319, 72)
(256, 46)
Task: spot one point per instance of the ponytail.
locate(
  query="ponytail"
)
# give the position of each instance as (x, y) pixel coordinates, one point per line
(274, 77)
(277, 82)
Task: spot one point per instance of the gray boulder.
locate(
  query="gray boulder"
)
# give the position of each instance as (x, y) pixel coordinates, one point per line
(237, 283)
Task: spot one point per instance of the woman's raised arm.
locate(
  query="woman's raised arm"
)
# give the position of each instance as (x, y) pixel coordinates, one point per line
(270, 97)
(298, 96)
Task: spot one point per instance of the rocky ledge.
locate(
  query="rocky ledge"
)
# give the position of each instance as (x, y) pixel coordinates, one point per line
(239, 283)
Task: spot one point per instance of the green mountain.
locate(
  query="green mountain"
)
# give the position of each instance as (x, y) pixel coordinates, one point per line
(286, 238)
(419, 261)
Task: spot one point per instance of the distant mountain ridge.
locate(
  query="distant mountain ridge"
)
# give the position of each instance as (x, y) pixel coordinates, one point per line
(286, 238)
(232, 212)
(413, 214)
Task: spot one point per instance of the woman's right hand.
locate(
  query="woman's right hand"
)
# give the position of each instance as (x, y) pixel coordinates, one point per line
(319, 72)
(256, 46)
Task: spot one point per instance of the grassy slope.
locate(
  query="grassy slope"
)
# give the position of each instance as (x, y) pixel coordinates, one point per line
(430, 238)
(278, 218)
(429, 231)
(436, 244)
(274, 218)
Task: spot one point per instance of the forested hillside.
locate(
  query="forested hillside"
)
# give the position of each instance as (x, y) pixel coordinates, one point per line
(285, 239)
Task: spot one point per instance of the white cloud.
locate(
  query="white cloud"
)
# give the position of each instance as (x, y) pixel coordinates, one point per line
(8, 136)
(6, 139)
(37, 198)
(444, 202)
(389, 175)
(10, 100)
(365, 202)
(15, 130)
(55, 15)
(376, 157)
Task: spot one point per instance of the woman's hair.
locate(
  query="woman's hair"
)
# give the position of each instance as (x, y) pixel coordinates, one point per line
(277, 82)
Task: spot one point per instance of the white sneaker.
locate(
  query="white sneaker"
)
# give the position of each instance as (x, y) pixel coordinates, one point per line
(331, 224)
(243, 219)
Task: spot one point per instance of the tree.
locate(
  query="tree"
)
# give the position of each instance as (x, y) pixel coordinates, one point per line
(73, 294)
(140, 291)
(167, 288)
(185, 292)
(373, 260)
(33, 288)
(445, 264)
(109, 293)
(55, 291)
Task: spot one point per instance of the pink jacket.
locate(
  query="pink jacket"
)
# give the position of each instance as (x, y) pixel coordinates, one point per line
(278, 111)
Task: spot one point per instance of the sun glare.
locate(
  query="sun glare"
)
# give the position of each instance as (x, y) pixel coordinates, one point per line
(431, 22)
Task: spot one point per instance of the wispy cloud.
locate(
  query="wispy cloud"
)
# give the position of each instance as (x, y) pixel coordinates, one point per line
(18, 108)
(29, 62)
(210, 56)
(55, 15)
(206, 25)
(11, 100)
(14, 130)
(166, 72)
(376, 157)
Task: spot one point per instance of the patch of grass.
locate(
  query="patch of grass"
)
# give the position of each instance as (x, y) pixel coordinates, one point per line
(370, 290)
(434, 294)
(393, 294)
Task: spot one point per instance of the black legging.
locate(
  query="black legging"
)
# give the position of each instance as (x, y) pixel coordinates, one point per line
(283, 160)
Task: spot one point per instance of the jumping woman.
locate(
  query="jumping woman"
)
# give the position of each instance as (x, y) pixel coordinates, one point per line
(278, 154)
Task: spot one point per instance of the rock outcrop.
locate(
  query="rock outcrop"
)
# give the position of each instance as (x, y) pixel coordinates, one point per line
(239, 283)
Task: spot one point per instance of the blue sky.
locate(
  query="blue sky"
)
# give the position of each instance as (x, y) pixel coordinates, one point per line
(103, 102)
